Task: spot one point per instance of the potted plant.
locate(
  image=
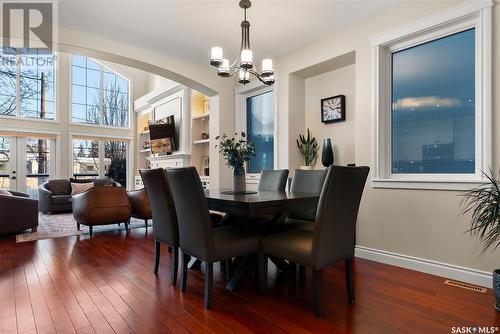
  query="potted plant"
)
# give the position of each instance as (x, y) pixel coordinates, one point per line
(483, 204)
(308, 147)
(236, 151)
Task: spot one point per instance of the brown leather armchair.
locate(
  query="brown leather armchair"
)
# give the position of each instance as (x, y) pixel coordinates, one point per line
(102, 206)
(141, 209)
(19, 213)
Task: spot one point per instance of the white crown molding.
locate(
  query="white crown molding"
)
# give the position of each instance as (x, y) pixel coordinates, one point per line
(433, 20)
(147, 101)
(463, 274)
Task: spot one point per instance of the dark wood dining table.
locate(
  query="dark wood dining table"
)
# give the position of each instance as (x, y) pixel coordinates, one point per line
(246, 207)
(260, 203)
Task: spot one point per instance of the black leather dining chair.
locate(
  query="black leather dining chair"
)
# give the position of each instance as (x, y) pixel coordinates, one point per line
(273, 180)
(333, 236)
(196, 235)
(165, 226)
(270, 180)
(304, 181)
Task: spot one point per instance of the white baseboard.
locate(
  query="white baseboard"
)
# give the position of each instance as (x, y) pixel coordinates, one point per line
(472, 276)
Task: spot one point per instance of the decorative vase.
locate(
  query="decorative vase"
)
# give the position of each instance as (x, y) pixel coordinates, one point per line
(239, 180)
(327, 158)
(306, 167)
(496, 288)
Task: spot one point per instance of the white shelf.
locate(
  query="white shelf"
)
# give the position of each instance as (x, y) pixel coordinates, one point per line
(148, 150)
(169, 156)
(201, 116)
(201, 141)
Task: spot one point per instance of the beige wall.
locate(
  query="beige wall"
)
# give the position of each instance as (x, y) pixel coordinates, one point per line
(336, 82)
(420, 223)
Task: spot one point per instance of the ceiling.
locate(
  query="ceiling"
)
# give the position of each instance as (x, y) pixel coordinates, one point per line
(187, 29)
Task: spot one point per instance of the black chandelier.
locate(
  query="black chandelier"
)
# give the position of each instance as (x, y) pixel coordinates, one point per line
(245, 66)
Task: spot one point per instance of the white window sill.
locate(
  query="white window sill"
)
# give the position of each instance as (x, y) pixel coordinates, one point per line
(427, 184)
(29, 119)
(90, 125)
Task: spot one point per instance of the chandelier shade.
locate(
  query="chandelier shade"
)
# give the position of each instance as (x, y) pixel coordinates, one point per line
(245, 65)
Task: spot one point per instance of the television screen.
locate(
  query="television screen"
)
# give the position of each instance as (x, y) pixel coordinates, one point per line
(161, 135)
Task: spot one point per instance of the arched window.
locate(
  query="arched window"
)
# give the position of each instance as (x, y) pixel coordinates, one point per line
(99, 95)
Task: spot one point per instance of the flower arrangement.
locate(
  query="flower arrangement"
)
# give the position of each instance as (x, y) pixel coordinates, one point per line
(236, 150)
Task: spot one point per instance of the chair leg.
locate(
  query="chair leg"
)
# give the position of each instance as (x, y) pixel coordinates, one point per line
(318, 311)
(292, 268)
(348, 281)
(157, 257)
(209, 278)
(146, 223)
(184, 270)
(90, 230)
(225, 267)
(78, 226)
(126, 226)
(302, 272)
(175, 265)
(262, 263)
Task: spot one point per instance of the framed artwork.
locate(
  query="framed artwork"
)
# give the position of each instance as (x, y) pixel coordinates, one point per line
(333, 109)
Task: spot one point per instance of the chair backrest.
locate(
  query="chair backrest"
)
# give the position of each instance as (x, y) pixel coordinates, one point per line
(195, 228)
(165, 226)
(307, 181)
(335, 227)
(273, 180)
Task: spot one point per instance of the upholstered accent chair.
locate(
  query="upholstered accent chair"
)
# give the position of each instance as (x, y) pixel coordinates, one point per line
(141, 207)
(19, 213)
(54, 196)
(102, 206)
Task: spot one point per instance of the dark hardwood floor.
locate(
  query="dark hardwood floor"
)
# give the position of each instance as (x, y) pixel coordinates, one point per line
(106, 284)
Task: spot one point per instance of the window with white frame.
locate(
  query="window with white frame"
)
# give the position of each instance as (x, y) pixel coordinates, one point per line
(99, 95)
(100, 157)
(432, 103)
(255, 116)
(27, 83)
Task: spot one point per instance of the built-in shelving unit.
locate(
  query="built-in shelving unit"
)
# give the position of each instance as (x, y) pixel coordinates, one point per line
(200, 134)
(201, 116)
(192, 114)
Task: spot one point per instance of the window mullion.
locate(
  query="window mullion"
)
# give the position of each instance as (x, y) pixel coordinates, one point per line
(101, 155)
(101, 95)
(18, 83)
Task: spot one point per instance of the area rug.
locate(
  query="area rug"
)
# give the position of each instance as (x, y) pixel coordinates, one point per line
(64, 225)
